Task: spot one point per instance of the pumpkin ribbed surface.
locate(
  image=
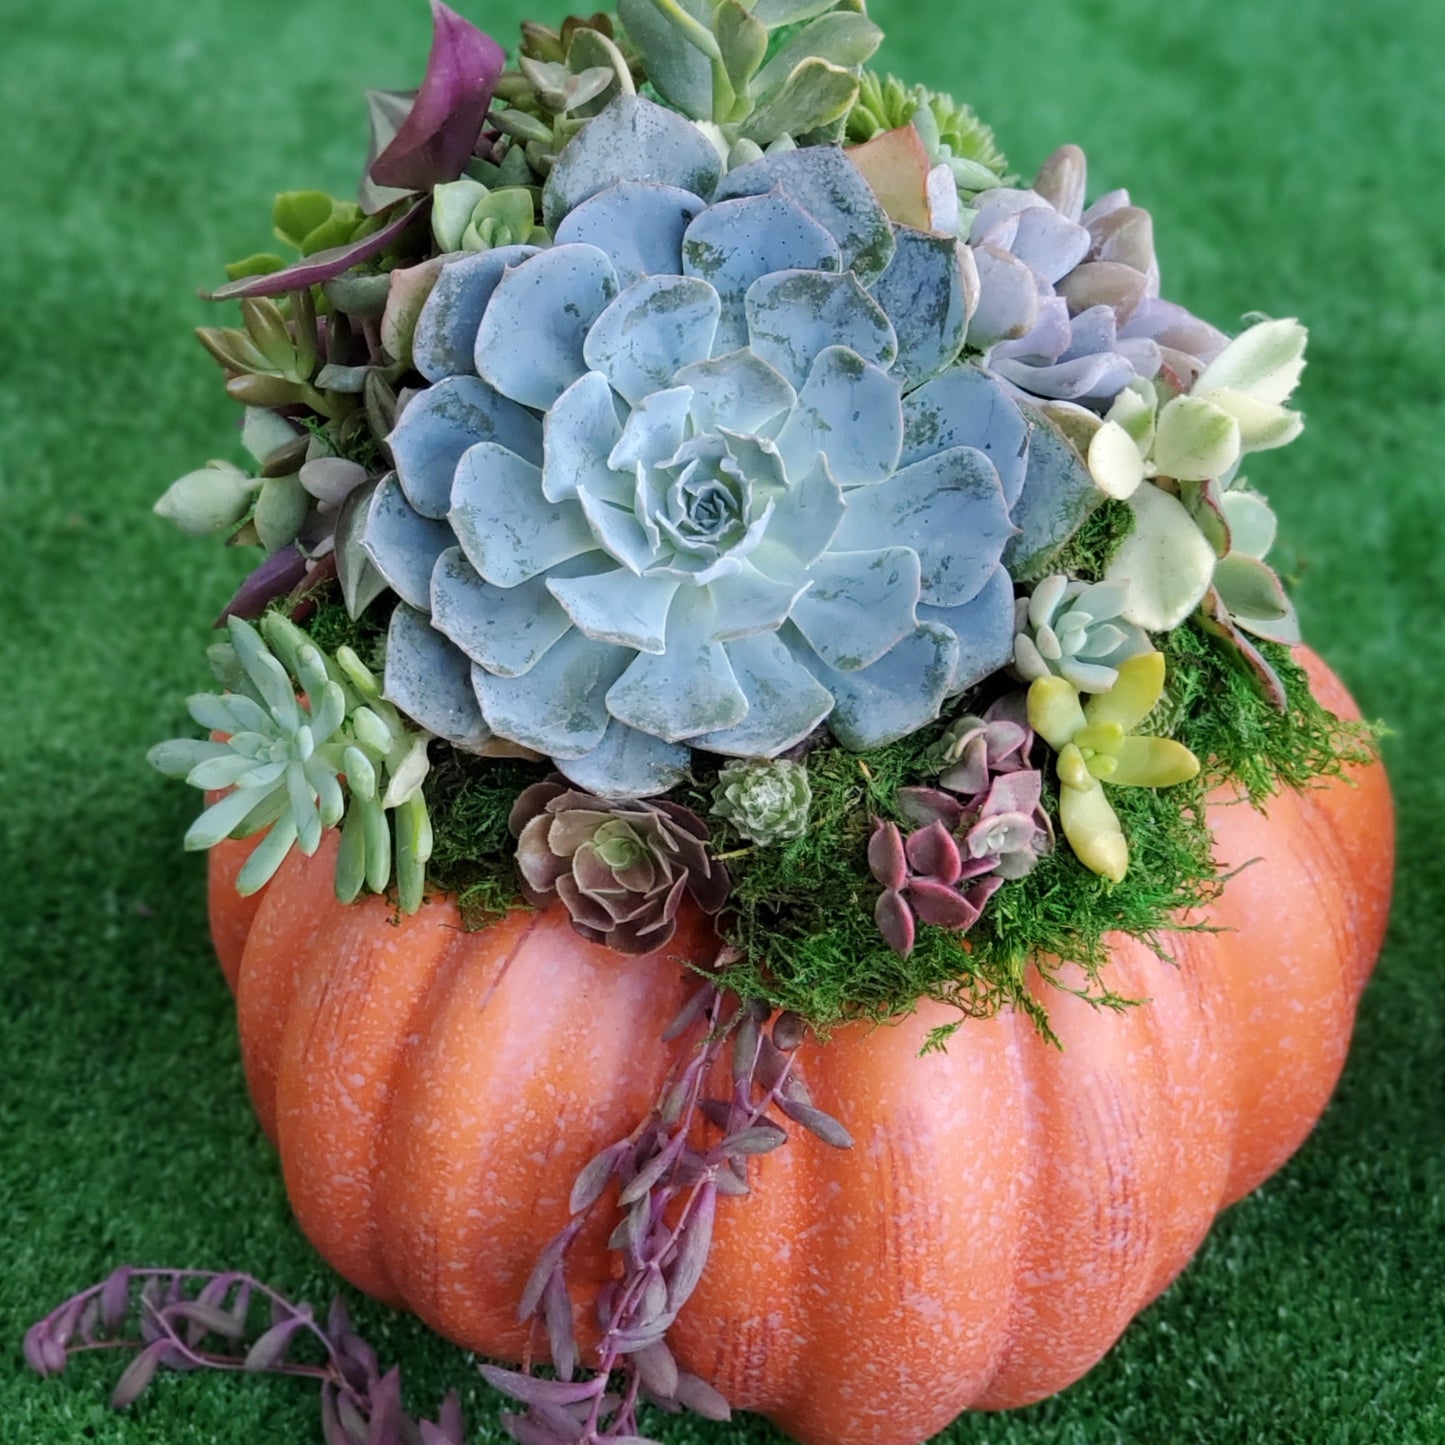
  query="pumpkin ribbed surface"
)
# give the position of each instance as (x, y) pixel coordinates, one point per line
(1008, 1207)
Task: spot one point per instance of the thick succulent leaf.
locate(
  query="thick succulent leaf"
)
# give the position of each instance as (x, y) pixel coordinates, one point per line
(1263, 426)
(1097, 377)
(899, 694)
(529, 345)
(618, 532)
(735, 243)
(681, 73)
(785, 702)
(1092, 828)
(1153, 763)
(1059, 494)
(1133, 697)
(632, 140)
(628, 764)
(654, 431)
(324, 265)
(816, 94)
(439, 134)
(1108, 285)
(925, 293)
(274, 578)
(984, 628)
(860, 605)
(844, 38)
(1056, 713)
(1166, 563)
(429, 680)
(738, 392)
(1008, 302)
(849, 412)
(896, 164)
(949, 509)
(749, 602)
(579, 434)
(965, 407)
(826, 184)
(503, 629)
(445, 341)
(1049, 244)
(687, 689)
(361, 583)
(1252, 524)
(1266, 362)
(650, 332)
(1115, 462)
(805, 521)
(508, 529)
(1196, 441)
(1250, 589)
(638, 224)
(557, 708)
(402, 544)
(777, 13)
(794, 316)
(442, 423)
(618, 607)
(1284, 630)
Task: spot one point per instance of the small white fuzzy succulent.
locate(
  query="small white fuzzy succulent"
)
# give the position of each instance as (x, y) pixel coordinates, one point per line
(1075, 630)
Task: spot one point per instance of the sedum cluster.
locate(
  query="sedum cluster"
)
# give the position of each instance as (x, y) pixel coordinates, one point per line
(680, 407)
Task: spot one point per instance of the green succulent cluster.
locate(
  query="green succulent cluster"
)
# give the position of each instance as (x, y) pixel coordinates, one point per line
(764, 802)
(951, 132)
(307, 222)
(294, 766)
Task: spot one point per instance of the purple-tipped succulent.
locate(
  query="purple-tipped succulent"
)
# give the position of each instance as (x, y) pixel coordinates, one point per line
(926, 879)
(621, 868)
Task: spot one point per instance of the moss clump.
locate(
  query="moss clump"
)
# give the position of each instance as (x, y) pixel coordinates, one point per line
(1087, 554)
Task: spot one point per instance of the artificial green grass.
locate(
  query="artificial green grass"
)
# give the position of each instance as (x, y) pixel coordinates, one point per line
(1291, 155)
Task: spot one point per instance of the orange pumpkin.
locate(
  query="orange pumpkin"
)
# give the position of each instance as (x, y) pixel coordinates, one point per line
(1008, 1207)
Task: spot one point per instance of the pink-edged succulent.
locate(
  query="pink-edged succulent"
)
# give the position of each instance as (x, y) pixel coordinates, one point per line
(621, 867)
(926, 879)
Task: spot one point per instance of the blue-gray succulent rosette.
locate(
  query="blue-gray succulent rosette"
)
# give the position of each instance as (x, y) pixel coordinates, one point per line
(696, 451)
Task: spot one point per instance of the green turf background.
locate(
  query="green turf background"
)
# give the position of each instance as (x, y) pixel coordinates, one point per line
(1292, 154)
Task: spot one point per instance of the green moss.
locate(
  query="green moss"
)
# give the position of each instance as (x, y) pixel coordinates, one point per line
(330, 626)
(1089, 551)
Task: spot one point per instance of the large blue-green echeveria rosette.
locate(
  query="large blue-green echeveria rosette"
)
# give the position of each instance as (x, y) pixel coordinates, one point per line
(704, 474)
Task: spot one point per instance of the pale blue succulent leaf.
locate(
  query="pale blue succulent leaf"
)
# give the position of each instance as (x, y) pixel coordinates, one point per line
(850, 413)
(806, 519)
(794, 316)
(785, 702)
(304, 812)
(654, 431)
(580, 433)
(1058, 495)
(965, 407)
(738, 392)
(924, 293)
(749, 602)
(503, 629)
(267, 857)
(508, 529)
(559, 707)
(735, 243)
(826, 184)
(529, 345)
(689, 688)
(402, 544)
(650, 332)
(446, 331)
(220, 820)
(440, 423)
(617, 532)
(430, 681)
(902, 692)
(632, 140)
(860, 605)
(777, 13)
(618, 607)
(220, 772)
(984, 628)
(628, 764)
(949, 508)
(180, 757)
(1087, 378)
(638, 224)
(681, 73)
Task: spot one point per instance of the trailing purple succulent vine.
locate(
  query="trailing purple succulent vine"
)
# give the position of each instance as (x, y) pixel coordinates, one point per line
(668, 1183)
(196, 1319)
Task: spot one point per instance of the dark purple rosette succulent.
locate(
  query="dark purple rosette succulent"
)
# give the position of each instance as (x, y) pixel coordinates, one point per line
(620, 867)
(926, 879)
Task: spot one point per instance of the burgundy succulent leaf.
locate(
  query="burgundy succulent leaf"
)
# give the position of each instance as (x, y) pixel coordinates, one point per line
(924, 881)
(325, 265)
(440, 132)
(975, 749)
(1009, 827)
(277, 576)
(620, 867)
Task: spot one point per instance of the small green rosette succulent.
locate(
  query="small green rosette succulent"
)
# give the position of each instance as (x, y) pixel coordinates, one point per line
(765, 803)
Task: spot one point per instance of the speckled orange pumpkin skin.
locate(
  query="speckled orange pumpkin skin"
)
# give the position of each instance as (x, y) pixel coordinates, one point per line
(1008, 1207)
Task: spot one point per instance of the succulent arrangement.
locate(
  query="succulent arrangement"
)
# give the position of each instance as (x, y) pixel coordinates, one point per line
(704, 448)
